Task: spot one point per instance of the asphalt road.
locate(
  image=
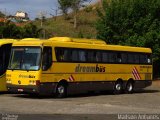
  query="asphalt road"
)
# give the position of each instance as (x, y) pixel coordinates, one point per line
(84, 106)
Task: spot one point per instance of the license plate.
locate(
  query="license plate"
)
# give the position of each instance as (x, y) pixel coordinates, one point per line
(20, 90)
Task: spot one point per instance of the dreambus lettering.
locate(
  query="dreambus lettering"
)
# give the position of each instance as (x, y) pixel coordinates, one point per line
(96, 68)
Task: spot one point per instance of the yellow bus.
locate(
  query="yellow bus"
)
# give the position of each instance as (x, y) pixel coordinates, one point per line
(63, 65)
(5, 49)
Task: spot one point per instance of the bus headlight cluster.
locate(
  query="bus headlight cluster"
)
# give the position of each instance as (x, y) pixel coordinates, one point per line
(32, 82)
(8, 80)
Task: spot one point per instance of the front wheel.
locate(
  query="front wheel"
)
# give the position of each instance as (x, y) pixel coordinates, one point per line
(118, 87)
(61, 91)
(129, 87)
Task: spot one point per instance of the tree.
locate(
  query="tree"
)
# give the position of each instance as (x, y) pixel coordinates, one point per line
(64, 6)
(10, 30)
(31, 30)
(75, 6)
(131, 22)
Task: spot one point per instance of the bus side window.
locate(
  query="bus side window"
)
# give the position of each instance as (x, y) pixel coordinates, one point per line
(104, 57)
(47, 58)
(119, 58)
(112, 57)
(149, 60)
(67, 55)
(143, 58)
(131, 58)
(98, 56)
(136, 57)
(124, 57)
(74, 55)
(60, 54)
(82, 56)
(90, 56)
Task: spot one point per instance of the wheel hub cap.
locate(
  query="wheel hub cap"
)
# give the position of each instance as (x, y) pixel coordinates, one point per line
(61, 89)
(118, 87)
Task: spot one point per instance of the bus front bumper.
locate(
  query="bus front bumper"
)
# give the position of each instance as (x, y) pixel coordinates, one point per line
(42, 89)
(22, 88)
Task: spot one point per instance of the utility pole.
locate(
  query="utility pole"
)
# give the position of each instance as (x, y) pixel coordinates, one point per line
(42, 14)
(5, 13)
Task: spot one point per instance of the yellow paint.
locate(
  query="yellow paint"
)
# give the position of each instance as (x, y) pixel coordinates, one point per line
(3, 77)
(18, 77)
(59, 71)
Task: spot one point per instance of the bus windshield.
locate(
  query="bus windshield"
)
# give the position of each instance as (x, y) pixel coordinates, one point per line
(25, 58)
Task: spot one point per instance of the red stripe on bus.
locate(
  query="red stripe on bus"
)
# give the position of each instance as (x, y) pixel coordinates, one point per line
(134, 74)
(71, 78)
(137, 73)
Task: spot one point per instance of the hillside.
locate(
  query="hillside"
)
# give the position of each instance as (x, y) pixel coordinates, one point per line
(1, 14)
(61, 27)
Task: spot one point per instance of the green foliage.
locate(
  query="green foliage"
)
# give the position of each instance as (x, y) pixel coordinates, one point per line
(31, 30)
(74, 5)
(80, 35)
(131, 22)
(64, 6)
(88, 9)
(10, 30)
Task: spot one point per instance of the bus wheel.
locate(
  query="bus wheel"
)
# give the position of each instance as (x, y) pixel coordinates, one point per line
(61, 91)
(118, 87)
(129, 87)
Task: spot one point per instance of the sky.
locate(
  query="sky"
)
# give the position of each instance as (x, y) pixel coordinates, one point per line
(33, 7)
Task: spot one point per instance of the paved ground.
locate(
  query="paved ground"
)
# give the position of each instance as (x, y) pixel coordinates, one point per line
(87, 106)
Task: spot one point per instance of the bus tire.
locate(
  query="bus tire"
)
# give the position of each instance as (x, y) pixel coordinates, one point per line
(129, 87)
(61, 91)
(118, 87)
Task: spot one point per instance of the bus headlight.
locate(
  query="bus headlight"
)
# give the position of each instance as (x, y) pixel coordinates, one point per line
(32, 82)
(8, 81)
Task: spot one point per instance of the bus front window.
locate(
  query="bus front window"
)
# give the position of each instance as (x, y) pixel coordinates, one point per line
(25, 58)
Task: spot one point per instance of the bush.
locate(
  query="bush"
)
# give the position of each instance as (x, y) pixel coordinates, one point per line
(131, 22)
(10, 30)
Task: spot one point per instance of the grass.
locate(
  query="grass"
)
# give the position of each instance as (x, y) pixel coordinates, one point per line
(61, 27)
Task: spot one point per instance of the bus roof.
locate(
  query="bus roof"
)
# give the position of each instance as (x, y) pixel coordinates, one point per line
(78, 43)
(6, 41)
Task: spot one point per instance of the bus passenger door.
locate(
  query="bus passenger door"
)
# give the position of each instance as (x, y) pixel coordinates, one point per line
(47, 58)
(46, 71)
(4, 59)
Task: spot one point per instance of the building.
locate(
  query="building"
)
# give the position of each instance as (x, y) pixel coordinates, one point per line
(2, 20)
(21, 15)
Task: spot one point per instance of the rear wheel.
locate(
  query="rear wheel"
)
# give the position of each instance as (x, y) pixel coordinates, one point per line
(129, 87)
(61, 91)
(118, 87)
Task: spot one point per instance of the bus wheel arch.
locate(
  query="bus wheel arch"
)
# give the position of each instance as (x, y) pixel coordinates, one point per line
(118, 86)
(129, 87)
(61, 89)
